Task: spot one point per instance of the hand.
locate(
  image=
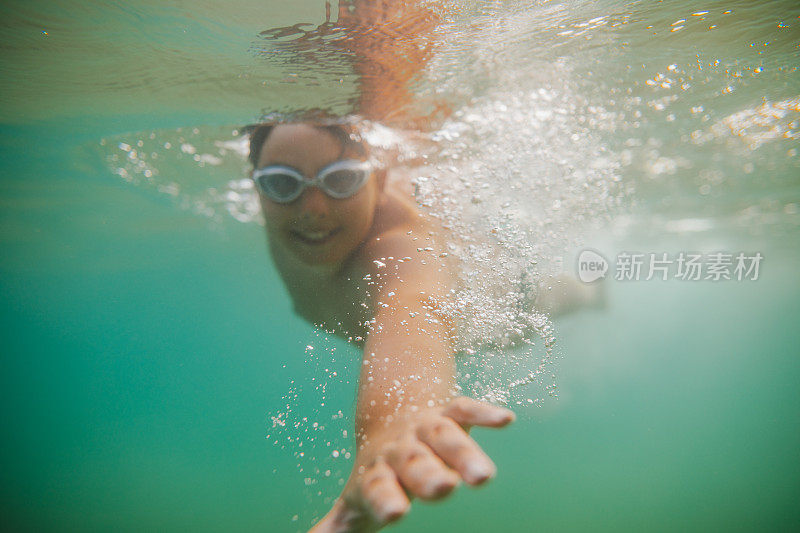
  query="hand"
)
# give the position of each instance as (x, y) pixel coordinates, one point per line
(423, 454)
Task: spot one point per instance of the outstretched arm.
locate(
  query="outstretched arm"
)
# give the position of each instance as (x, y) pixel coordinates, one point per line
(411, 431)
(392, 42)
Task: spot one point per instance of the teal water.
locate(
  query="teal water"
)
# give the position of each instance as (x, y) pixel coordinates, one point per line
(148, 343)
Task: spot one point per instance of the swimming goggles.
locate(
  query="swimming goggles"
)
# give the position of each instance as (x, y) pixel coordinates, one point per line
(341, 179)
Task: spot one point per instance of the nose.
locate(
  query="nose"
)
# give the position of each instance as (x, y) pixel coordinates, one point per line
(314, 204)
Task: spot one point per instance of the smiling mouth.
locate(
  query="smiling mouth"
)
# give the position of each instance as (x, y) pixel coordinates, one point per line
(315, 237)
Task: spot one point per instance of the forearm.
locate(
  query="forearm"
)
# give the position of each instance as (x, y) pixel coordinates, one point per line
(411, 433)
(408, 364)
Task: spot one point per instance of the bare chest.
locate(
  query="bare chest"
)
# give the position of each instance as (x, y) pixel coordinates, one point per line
(340, 306)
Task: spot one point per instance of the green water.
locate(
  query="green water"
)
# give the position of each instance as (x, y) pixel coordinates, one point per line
(145, 346)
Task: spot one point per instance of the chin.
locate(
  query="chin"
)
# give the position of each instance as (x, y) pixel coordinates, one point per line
(326, 254)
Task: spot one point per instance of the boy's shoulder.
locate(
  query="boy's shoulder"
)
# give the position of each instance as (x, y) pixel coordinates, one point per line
(398, 223)
(406, 244)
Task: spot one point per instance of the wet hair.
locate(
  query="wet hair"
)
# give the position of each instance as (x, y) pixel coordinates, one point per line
(344, 133)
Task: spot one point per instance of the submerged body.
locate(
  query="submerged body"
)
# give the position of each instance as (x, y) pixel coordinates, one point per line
(368, 268)
(365, 264)
(324, 249)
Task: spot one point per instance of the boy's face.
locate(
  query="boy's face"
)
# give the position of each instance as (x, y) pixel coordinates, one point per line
(315, 228)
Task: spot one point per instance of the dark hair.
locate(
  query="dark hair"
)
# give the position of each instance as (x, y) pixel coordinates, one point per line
(344, 133)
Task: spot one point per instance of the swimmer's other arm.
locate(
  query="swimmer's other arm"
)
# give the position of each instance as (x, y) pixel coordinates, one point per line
(411, 432)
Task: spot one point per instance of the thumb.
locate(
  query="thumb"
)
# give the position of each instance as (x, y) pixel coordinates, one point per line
(469, 412)
(328, 523)
(339, 519)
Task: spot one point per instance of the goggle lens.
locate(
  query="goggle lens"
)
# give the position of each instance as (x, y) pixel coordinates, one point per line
(280, 187)
(343, 183)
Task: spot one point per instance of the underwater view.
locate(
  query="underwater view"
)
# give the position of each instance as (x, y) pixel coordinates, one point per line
(217, 218)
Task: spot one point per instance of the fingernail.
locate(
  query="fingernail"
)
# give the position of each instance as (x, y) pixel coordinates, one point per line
(393, 511)
(478, 473)
(435, 488)
(505, 416)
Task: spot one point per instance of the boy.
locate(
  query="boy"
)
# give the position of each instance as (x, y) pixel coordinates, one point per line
(359, 259)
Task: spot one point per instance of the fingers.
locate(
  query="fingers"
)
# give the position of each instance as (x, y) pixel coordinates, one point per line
(378, 501)
(468, 412)
(433, 453)
(422, 473)
(450, 442)
(382, 494)
(339, 519)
